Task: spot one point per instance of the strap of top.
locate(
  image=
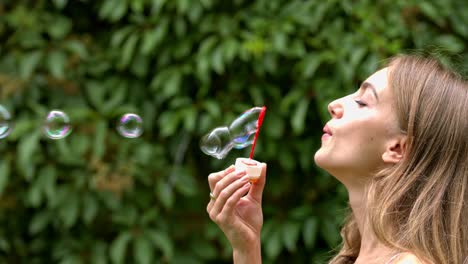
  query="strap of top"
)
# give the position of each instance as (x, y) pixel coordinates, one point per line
(393, 258)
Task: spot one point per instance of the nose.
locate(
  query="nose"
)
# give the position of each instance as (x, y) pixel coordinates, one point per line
(335, 109)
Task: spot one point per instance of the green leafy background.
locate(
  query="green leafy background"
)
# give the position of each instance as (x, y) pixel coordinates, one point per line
(185, 66)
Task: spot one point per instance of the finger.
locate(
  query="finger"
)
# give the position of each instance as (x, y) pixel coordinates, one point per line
(226, 181)
(228, 208)
(210, 203)
(257, 188)
(213, 178)
(221, 184)
(226, 193)
(209, 206)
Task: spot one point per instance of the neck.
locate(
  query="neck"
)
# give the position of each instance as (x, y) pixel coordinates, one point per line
(371, 250)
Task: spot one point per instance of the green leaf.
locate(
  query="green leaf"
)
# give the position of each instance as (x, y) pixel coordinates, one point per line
(128, 50)
(60, 4)
(120, 35)
(185, 183)
(230, 49)
(273, 244)
(165, 194)
(99, 253)
(56, 61)
(114, 10)
(329, 232)
(4, 175)
(34, 195)
(291, 232)
(47, 178)
(100, 139)
(274, 126)
(173, 84)
(291, 98)
(148, 217)
(77, 48)
(310, 64)
(217, 60)
(4, 244)
(28, 63)
(151, 38)
(190, 118)
(183, 6)
(299, 116)
(90, 208)
(309, 232)
(212, 107)
(69, 210)
(61, 26)
(39, 222)
(143, 250)
(162, 241)
(432, 12)
(27, 147)
(118, 247)
(117, 97)
(204, 249)
(450, 43)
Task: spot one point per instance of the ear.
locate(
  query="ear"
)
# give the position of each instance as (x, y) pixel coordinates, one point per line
(395, 150)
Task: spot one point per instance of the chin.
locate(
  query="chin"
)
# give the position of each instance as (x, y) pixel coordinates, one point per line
(320, 159)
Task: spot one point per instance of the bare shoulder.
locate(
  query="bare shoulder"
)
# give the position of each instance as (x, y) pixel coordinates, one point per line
(408, 258)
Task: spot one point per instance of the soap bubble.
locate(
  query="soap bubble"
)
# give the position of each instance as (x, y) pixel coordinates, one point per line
(57, 125)
(130, 126)
(239, 134)
(244, 127)
(217, 143)
(6, 125)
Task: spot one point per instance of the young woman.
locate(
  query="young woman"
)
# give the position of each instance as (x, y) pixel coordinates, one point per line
(400, 147)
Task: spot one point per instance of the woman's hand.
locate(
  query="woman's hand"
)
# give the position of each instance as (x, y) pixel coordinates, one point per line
(237, 208)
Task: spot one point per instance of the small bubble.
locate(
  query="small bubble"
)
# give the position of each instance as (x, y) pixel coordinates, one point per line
(57, 125)
(6, 125)
(130, 126)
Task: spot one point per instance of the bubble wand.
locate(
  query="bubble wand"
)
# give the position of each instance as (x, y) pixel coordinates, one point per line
(259, 125)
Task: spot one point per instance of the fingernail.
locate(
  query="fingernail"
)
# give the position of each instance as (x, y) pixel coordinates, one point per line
(245, 178)
(230, 169)
(242, 172)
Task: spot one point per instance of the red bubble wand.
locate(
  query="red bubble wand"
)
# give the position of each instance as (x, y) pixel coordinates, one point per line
(259, 124)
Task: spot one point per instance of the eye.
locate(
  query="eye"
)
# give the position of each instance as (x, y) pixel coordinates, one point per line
(360, 103)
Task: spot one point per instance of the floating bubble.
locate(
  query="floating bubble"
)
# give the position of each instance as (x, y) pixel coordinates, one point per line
(239, 134)
(217, 143)
(130, 126)
(6, 125)
(57, 125)
(244, 127)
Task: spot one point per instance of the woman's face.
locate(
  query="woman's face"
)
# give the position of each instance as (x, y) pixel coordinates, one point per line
(362, 127)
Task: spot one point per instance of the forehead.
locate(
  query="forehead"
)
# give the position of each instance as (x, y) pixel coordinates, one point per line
(379, 80)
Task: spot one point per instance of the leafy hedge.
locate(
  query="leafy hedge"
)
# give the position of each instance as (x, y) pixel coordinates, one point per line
(185, 67)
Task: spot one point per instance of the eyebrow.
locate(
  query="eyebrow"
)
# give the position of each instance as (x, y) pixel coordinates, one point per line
(366, 85)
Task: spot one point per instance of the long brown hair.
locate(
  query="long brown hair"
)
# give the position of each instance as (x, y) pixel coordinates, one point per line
(420, 205)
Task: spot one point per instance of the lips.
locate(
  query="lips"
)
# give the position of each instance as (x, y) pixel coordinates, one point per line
(327, 130)
(327, 133)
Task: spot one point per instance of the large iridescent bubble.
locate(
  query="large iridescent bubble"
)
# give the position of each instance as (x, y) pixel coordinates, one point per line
(217, 143)
(244, 127)
(239, 134)
(6, 124)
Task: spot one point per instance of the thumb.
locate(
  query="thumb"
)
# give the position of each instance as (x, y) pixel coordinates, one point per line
(256, 190)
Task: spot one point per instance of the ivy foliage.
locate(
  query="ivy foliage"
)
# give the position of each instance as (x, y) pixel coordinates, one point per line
(185, 67)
